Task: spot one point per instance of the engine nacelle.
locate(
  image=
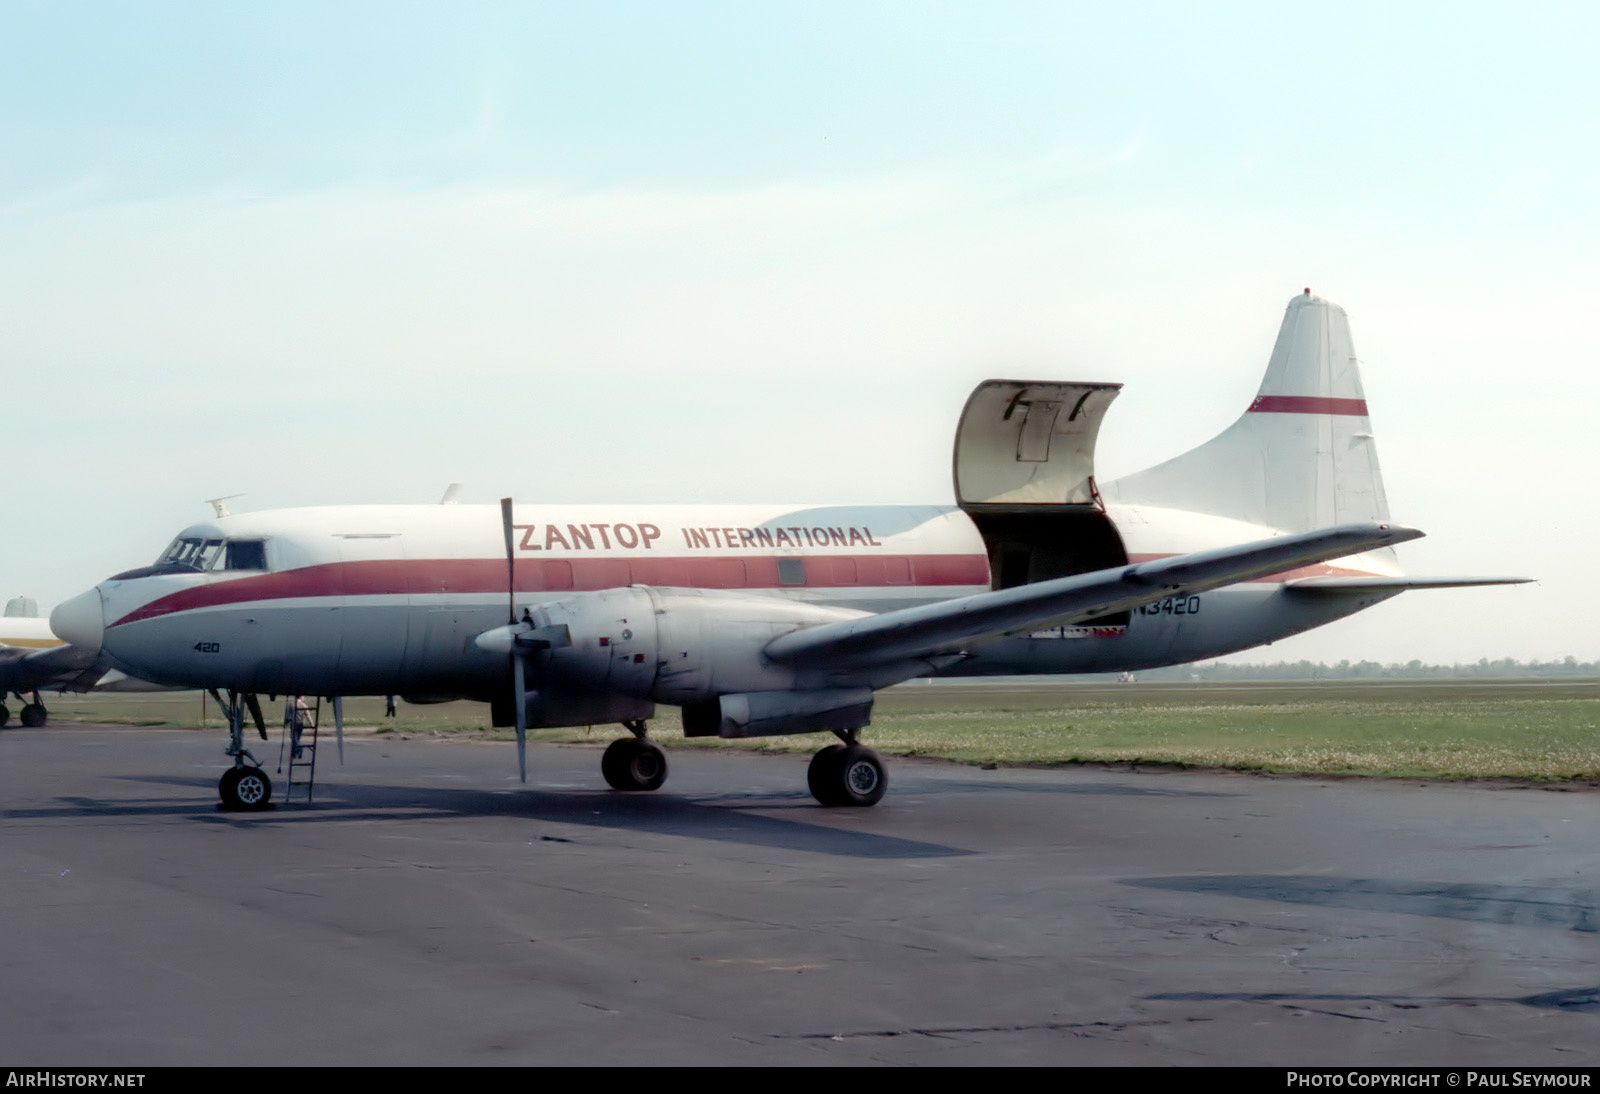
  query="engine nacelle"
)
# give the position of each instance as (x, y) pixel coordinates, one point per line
(678, 646)
(770, 713)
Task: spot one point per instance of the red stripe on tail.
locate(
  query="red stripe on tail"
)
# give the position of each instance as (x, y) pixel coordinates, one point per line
(1307, 404)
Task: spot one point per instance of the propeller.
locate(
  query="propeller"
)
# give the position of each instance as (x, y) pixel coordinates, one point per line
(519, 695)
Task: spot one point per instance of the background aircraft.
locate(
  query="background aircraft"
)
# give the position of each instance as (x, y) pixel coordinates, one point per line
(33, 659)
(785, 619)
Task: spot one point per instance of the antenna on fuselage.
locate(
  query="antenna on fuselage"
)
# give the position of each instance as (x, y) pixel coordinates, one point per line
(519, 694)
(221, 504)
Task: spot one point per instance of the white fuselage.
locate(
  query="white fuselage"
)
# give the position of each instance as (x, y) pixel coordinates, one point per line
(388, 599)
(30, 632)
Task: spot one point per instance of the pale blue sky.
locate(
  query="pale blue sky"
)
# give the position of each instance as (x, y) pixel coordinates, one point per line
(1286, 103)
(352, 252)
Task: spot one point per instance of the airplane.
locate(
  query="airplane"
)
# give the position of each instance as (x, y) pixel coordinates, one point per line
(762, 620)
(33, 659)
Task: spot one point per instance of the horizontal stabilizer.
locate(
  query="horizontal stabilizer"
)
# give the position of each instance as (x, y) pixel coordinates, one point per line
(1392, 584)
(935, 628)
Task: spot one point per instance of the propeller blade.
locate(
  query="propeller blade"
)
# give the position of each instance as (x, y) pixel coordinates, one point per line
(520, 698)
(519, 693)
(511, 560)
(338, 724)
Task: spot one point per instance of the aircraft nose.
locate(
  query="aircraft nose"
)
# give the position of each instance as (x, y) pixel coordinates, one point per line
(80, 620)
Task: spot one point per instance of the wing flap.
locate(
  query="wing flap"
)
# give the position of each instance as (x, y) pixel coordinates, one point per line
(936, 628)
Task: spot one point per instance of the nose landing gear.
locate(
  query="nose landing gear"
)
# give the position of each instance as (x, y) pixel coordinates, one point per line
(244, 786)
(33, 715)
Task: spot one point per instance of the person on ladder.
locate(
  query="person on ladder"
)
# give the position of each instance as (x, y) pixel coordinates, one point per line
(297, 716)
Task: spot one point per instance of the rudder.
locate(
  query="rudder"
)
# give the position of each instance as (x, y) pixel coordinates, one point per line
(1301, 457)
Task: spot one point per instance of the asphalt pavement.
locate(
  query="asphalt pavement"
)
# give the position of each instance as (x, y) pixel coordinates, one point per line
(427, 908)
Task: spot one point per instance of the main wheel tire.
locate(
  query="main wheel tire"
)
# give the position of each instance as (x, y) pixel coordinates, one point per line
(34, 715)
(855, 777)
(245, 788)
(822, 777)
(634, 764)
(5, 714)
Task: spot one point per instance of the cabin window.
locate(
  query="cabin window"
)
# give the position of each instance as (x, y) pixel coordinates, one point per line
(839, 571)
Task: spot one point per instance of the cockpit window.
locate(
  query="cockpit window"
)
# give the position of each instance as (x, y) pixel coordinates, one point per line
(208, 554)
(178, 554)
(192, 553)
(196, 554)
(246, 554)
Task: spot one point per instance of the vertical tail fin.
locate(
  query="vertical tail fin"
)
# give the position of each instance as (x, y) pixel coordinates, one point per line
(1301, 456)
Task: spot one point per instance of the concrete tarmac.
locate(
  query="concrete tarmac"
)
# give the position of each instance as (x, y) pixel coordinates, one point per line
(429, 909)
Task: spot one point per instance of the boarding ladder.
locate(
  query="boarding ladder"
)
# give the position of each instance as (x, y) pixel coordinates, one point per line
(300, 744)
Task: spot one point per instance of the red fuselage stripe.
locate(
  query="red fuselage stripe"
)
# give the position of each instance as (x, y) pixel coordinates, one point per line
(1308, 404)
(439, 577)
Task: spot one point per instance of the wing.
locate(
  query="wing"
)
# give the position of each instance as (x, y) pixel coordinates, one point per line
(934, 628)
(58, 668)
(1331, 585)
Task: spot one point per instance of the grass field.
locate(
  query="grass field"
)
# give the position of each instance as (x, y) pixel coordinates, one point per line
(1544, 730)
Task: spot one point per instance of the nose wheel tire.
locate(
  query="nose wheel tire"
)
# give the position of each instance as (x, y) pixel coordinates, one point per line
(245, 788)
(634, 764)
(34, 715)
(847, 775)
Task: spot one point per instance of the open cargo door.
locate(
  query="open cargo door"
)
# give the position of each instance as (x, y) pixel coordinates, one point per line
(1024, 473)
(1023, 442)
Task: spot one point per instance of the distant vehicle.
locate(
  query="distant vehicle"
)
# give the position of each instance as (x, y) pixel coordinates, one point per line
(760, 620)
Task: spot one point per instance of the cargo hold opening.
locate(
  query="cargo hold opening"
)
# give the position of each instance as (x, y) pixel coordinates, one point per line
(1025, 547)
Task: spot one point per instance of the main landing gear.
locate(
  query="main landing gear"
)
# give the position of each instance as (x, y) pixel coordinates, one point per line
(33, 715)
(634, 763)
(847, 774)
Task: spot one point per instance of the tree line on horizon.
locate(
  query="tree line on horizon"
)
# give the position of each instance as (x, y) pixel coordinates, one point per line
(1369, 670)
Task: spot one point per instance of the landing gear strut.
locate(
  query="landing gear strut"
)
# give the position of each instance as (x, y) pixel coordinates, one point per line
(634, 763)
(847, 774)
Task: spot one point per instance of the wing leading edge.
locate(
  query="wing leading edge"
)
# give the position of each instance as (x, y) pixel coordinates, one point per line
(936, 628)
